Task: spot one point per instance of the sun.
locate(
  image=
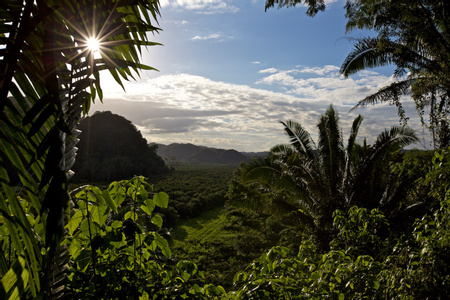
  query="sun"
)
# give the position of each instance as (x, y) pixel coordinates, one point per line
(93, 44)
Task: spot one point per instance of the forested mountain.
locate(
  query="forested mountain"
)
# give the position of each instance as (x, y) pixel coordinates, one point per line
(111, 148)
(192, 154)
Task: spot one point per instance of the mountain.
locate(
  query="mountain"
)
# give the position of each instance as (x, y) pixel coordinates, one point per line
(192, 154)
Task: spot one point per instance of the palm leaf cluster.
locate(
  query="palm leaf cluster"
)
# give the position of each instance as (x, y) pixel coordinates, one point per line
(324, 176)
(415, 37)
(48, 79)
(314, 6)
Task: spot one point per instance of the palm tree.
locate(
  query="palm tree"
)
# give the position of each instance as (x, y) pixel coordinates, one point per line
(415, 37)
(48, 78)
(326, 176)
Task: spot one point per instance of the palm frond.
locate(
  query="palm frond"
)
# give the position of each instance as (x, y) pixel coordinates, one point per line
(350, 150)
(365, 55)
(281, 151)
(388, 141)
(314, 6)
(330, 147)
(390, 93)
(299, 138)
(265, 170)
(353, 133)
(395, 138)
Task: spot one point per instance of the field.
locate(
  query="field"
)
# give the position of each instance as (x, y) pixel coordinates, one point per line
(219, 248)
(206, 228)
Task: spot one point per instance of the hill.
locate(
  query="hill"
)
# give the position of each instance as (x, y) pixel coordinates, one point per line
(192, 154)
(111, 148)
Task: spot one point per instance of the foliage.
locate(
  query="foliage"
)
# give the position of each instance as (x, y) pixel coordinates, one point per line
(314, 181)
(314, 6)
(220, 242)
(412, 166)
(280, 274)
(117, 252)
(48, 79)
(414, 36)
(111, 148)
(364, 261)
(111, 241)
(193, 190)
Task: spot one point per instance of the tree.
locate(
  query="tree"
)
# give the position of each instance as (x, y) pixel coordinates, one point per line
(415, 37)
(48, 79)
(412, 35)
(322, 178)
(111, 148)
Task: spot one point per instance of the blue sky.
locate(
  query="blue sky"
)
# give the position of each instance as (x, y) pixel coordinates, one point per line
(229, 72)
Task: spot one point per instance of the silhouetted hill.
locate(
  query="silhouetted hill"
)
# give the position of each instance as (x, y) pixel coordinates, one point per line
(192, 154)
(111, 148)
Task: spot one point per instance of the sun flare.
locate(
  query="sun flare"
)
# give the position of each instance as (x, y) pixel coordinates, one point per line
(93, 44)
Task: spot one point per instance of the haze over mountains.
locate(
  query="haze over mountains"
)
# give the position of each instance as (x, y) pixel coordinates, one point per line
(192, 154)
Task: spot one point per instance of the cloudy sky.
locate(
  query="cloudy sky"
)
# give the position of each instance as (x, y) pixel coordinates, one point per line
(229, 72)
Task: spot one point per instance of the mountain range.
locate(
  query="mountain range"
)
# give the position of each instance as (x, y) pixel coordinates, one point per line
(193, 154)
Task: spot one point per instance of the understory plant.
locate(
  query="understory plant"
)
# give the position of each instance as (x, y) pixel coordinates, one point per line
(118, 250)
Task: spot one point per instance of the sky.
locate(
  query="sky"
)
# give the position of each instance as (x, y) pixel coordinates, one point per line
(229, 72)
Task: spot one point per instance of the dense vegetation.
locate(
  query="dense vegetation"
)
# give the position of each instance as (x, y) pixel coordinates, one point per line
(303, 205)
(220, 242)
(315, 179)
(111, 148)
(175, 154)
(193, 190)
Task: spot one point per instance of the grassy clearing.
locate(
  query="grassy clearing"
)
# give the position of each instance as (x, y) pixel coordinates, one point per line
(205, 228)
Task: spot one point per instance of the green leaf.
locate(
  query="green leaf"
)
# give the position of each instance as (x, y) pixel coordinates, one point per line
(161, 199)
(376, 285)
(74, 222)
(145, 209)
(157, 220)
(16, 279)
(130, 214)
(109, 200)
(166, 252)
(150, 204)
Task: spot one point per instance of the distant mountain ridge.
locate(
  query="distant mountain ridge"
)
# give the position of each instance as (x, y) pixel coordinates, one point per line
(192, 154)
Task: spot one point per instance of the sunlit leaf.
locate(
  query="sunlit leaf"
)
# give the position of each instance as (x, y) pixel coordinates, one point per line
(157, 220)
(161, 199)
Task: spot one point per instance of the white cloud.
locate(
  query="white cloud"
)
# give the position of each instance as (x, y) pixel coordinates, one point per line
(212, 36)
(201, 6)
(328, 69)
(269, 70)
(187, 108)
(325, 83)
